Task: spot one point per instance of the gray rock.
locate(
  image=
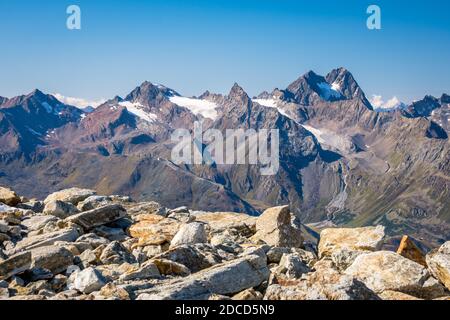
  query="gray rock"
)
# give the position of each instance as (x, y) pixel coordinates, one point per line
(275, 228)
(35, 206)
(343, 258)
(384, 270)
(37, 222)
(147, 271)
(112, 234)
(93, 240)
(438, 262)
(147, 208)
(190, 233)
(195, 257)
(223, 279)
(60, 209)
(15, 265)
(88, 258)
(53, 258)
(98, 217)
(115, 252)
(292, 266)
(72, 195)
(86, 281)
(275, 253)
(47, 239)
(94, 202)
(3, 227)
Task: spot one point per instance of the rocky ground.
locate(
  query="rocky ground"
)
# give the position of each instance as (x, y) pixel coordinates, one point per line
(79, 245)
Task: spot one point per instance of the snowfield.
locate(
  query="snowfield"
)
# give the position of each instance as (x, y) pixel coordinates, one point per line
(205, 108)
(138, 110)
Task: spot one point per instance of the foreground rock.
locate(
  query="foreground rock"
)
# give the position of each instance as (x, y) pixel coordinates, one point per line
(190, 233)
(15, 265)
(72, 195)
(223, 279)
(439, 264)
(9, 197)
(409, 249)
(98, 217)
(275, 228)
(357, 239)
(60, 209)
(384, 270)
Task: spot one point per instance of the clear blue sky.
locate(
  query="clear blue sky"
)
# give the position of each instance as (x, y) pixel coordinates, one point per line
(192, 45)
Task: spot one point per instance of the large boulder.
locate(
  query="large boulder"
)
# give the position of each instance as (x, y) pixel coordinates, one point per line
(223, 279)
(354, 239)
(195, 257)
(72, 195)
(86, 281)
(37, 222)
(9, 197)
(154, 230)
(275, 227)
(438, 262)
(116, 253)
(47, 239)
(99, 216)
(60, 209)
(15, 265)
(410, 250)
(190, 233)
(53, 258)
(385, 270)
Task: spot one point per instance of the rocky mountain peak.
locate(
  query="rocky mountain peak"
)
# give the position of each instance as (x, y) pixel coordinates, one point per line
(422, 108)
(237, 93)
(150, 94)
(343, 81)
(445, 98)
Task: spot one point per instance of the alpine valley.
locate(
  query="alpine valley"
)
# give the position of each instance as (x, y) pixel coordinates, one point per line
(341, 162)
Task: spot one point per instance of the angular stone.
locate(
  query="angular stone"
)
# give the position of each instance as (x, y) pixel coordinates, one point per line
(195, 257)
(151, 207)
(72, 195)
(86, 281)
(116, 253)
(148, 270)
(409, 250)
(94, 202)
(9, 197)
(354, 239)
(396, 296)
(168, 267)
(292, 266)
(190, 233)
(343, 258)
(47, 239)
(98, 217)
(154, 230)
(60, 209)
(53, 258)
(37, 222)
(93, 240)
(385, 270)
(438, 262)
(248, 295)
(15, 265)
(223, 279)
(275, 228)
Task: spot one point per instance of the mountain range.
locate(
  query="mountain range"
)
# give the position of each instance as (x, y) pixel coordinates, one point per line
(341, 161)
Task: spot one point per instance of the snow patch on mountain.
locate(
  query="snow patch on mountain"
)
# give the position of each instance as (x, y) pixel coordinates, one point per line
(138, 110)
(330, 140)
(329, 91)
(205, 108)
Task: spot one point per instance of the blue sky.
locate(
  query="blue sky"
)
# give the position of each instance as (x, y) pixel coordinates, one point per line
(192, 46)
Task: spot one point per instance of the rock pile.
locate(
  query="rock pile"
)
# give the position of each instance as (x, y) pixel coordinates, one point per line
(79, 245)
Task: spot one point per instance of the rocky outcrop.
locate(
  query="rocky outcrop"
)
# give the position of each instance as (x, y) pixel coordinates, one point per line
(356, 239)
(275, 227)
(115, 248)
(72, 195)
(438, 262)
(9, 197)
